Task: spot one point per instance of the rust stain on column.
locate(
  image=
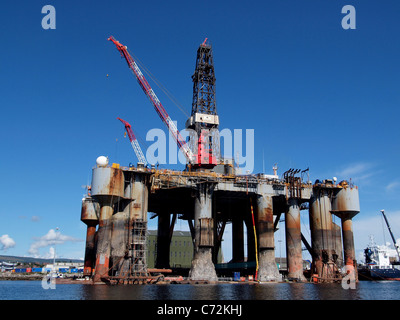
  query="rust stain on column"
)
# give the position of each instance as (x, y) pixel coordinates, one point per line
(119, 236)
(90, 249)
(103, 243)
(321, 230)
(293, 241)
(338, 244)
(346, 205)
(348, 241)
(268, 270)
(89, 212)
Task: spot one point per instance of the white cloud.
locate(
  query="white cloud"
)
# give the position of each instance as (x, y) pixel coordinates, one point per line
(355, 169)
(35, 218)
(393, 185)
(50, 254)
(358, 172)
(51, 238)
(6, 242)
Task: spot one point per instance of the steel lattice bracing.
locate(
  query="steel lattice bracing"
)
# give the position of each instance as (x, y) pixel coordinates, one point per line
(204, 82)
(204, 121)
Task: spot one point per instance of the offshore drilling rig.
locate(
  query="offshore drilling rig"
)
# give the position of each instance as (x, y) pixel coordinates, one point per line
(209, 194)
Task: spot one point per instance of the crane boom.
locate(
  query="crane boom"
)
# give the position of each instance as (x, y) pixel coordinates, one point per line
(154, 100)
(391, 234)
(134, 142)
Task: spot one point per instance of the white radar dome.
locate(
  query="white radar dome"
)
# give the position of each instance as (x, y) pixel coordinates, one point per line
(102, 161)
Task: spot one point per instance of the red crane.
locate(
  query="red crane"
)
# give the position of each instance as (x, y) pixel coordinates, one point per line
(134, 142)
(155, 101)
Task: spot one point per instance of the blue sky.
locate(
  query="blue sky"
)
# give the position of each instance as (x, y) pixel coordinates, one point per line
(316, 95)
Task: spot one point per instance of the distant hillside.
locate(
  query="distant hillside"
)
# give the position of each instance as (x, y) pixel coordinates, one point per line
(25, 260)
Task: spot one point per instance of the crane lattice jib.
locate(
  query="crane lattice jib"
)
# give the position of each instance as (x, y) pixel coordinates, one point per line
(154, 100)
(134, 142)
(138, 151)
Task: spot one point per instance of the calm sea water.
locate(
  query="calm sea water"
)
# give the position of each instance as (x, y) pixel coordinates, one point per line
(368, 290)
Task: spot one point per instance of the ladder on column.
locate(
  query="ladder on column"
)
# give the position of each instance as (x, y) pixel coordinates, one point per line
(139, 249)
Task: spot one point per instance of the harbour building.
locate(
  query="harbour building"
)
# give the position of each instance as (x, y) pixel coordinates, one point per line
(181, 249)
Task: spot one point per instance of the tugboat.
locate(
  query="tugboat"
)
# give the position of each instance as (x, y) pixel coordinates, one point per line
(377, 261)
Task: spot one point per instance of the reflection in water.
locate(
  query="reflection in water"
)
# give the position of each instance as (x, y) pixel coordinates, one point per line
(366, 290)
(267, 291)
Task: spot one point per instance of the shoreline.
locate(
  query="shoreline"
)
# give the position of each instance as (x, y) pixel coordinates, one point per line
(38, 277)
(13, 277)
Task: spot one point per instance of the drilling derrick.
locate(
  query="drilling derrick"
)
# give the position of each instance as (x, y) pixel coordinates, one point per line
(204, 121)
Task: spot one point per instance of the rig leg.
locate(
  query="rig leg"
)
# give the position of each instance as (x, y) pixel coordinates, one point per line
(348, 244)
(203, 268)
(293, 241)
(268, 270)
(103, 243)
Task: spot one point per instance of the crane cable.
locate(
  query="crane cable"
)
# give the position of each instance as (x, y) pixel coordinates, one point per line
(160, 85)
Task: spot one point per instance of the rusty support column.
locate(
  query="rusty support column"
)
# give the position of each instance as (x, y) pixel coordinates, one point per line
(107, 190)
(139, 195)
(322, 241)
(103, 243)
(316, 235)
(118, 239)
(89, 215)
(348, 241)
(138, 235)
(90, 253)
(293, 241)
(202, 268)
(346, 205)
(338, 244)
(268, 270)
(163, 241)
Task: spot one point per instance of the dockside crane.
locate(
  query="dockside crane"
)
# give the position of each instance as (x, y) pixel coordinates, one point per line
(391, 234)
(190, 157)
(134, 142)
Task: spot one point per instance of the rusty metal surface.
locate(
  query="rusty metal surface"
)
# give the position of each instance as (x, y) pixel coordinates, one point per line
(119, 237)
(207, 206)
(206, 232)
(293, 241)
(321, 221)
(103, 243)
(348, 241)
(322, 239)
(337, 234)
(139, 194)
(265, 222)
(90, 253)
(90, 210)
(268, 270)
(107, 184)
(202, 209)
(346, 202)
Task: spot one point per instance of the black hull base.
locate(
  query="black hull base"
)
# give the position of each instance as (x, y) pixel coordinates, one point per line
(379, 274)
